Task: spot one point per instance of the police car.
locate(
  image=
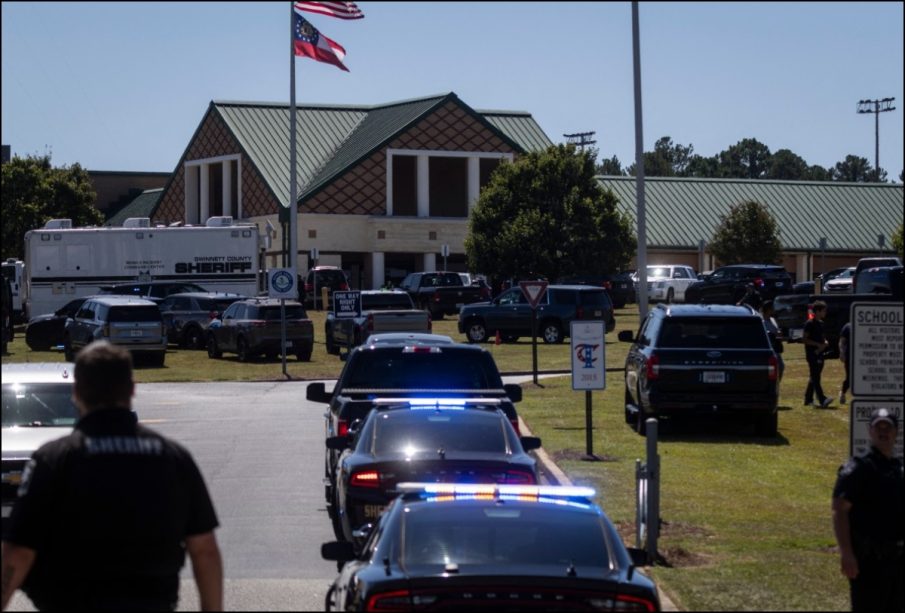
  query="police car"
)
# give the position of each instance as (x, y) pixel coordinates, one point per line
(466, 440)
(451, 547)
(37, 408)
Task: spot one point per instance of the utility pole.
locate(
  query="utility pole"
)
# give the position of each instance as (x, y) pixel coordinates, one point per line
(582, 139)
(876, 107)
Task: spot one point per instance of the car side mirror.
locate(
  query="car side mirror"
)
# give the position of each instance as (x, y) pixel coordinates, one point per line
(626, 336)
(316, 392)
(513, 391)
(338, 551)
(363, 531)
(530, 443)
(339, 443)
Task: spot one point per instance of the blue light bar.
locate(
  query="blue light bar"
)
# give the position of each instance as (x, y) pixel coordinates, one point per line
(436, 403)
(497, 490)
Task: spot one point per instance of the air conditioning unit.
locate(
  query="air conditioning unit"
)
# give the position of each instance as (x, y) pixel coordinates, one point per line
(137, 222)
(221, 221)
(58, 224)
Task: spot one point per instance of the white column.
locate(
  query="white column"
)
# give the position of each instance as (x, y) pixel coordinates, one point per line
(191, 194)
(423, 186)
(430, 262)
(227, 188)
(474, 181)
(377, 269)
(205, 208)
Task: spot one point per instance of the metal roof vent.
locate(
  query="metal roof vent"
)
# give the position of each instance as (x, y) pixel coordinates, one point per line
(137, 222)
(222, 221)
(58, 224)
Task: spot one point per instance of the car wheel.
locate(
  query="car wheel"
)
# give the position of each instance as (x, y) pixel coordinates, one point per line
(670, 296)
(192, 338)
(336, 519)
(242, 349)
(551, 332)
(332, 349)
(475, 331)
(767, 425)
(158, 359)
(68, 353)
(628, 401)
(304, 355)
(641, 422)
(213, 351)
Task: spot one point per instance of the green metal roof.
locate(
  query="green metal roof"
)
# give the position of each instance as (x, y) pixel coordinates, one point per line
(333, 138)
(679, 212)
(142, 206)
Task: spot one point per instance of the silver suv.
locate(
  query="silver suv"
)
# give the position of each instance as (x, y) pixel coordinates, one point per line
(188, 315)
(133, 323)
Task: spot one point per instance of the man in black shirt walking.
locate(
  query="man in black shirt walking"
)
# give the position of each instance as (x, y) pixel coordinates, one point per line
(815, 344)
(105, 515)
(867, 520)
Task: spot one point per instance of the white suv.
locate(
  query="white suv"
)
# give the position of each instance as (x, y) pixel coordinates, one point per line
(668, 282)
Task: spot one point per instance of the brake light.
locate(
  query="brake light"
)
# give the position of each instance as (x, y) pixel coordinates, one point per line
(514, 423)
(652, 370)
(365, 478)
(519, 477)
(772, 368)
(436, 297)
(810, 312)
(342, 427)
(309, 287)
(624, 602)
(759, 282)
(399, 600)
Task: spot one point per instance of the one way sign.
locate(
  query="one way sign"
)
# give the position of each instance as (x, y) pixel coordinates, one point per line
(534, 291)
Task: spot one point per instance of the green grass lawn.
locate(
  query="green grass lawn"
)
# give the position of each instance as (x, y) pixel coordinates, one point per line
(746, 520)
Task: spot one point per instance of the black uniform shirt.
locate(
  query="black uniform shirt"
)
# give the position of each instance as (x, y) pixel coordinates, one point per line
(874, 485)
(108, 509)
(813, 330)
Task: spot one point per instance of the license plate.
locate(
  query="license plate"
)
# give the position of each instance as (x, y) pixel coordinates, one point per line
(714, 377)
(598, 313)
(796, 333)
(373, 511)
(137, 333)
(779, 284)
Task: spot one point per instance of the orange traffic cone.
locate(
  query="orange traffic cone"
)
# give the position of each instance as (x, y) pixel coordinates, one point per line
(499, 339)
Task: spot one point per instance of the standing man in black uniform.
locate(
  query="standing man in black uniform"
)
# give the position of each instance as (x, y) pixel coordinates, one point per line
(867, 520)
(815, 344)
(105, 515)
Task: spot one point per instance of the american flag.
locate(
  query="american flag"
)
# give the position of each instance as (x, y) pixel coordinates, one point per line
(342, 10)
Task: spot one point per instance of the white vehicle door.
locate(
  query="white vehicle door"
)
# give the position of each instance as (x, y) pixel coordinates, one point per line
(682, 278)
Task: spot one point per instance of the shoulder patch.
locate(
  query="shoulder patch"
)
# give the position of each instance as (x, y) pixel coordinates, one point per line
(26, 478)
(848, 468)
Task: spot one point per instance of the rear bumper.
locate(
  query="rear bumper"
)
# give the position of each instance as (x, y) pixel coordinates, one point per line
(706, 404)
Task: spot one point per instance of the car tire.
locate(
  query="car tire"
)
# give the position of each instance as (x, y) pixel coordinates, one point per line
(767, 425)
(304, 355)
(670, 296)
(193, 338)
(628, 401)
(68, 352)
(336, 519)
(213, 351)
(476, 331)
(551, 332)
(158, 359)
(242, 350)
(332, 349)
(641, 422)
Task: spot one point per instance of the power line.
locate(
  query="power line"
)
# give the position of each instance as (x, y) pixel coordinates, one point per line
(876, 107)
(582, 139)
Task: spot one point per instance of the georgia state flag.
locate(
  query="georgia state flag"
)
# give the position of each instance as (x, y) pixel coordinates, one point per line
(308, 42)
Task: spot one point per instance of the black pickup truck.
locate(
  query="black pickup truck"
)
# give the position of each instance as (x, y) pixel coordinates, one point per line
(381, 311)
(791, 312)
(404, 370)
(442, 293)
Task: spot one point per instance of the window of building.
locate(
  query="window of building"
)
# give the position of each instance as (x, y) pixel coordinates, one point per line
(213, 187)
(448, 179)
(488, 165)
(405, 185)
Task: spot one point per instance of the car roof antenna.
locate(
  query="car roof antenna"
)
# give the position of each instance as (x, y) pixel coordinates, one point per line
(386, 565)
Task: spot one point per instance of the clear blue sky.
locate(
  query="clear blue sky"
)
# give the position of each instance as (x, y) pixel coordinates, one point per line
(123, 86)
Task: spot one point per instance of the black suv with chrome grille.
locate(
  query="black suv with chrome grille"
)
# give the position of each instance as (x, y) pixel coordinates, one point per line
(701, 359)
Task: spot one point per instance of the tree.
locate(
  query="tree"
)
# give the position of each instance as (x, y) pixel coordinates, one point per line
(819, 173)
(748, 233)
(898, 242)
(35, 192)
(747, 159)
(701, 167)
(786, 166)
(611, 167)
(546, 214)
(854, 169)
(668, 159)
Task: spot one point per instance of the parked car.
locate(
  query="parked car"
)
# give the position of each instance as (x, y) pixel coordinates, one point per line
(253, 326)
(804, 287)
(37, 408)
(399, 441)
(841, 283)
(46, 331)
(510, 314)
(668, 282)
(880, 280)
(619, 287)
(133, 323)
(874, 262)
(727, 284)
(381, 311)
(441, 293)
(319, 277)
(450, 547)
(187, 316)
(151, 290)
(694, 359)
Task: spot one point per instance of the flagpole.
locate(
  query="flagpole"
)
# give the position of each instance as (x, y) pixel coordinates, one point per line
(293, 188)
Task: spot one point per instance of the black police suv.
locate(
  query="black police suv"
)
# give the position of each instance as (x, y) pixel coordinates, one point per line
(442, 440)
(453, 547)
(701, 359)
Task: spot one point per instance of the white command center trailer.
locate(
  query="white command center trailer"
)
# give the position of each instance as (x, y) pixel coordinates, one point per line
(63, 263)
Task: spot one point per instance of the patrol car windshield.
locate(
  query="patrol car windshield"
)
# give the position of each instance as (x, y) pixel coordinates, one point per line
(747, 333)
(38, 404)
(419, 431)
(534, 533)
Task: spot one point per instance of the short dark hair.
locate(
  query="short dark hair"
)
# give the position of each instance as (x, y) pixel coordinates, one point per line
(103, 376)
(819, 305)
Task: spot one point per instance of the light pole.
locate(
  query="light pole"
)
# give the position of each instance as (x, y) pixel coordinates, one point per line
(876, 107)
